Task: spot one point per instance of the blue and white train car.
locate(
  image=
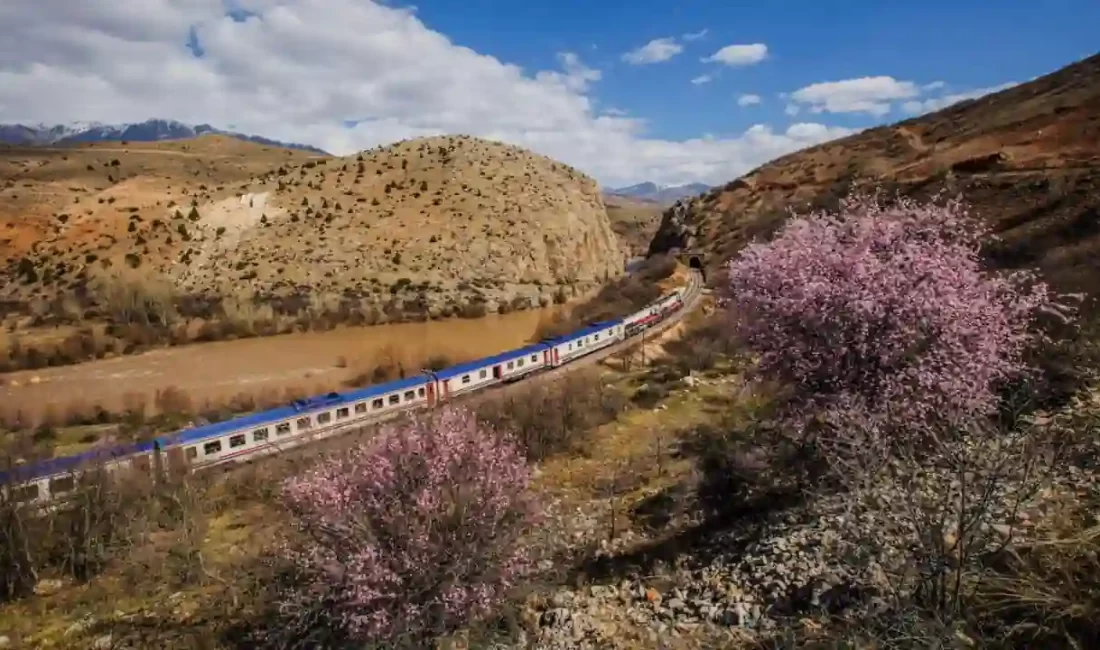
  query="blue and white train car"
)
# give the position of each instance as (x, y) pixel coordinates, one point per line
(51, 479)
(565, 348)
(499, 368)
(266, 432)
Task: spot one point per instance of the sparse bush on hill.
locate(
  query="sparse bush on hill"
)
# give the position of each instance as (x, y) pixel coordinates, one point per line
(615, 299)
(411, 535)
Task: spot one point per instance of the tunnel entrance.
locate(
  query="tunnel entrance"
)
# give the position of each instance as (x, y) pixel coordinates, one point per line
(696, 263)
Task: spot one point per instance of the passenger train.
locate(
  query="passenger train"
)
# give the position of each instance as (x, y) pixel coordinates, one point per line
(309, 420)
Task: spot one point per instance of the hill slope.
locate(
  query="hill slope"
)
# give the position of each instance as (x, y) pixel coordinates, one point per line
(422, 225)
(1027, 158)
(634, 221)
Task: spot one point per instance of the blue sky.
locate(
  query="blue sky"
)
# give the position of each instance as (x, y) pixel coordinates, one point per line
(967, 45)
(347, 75)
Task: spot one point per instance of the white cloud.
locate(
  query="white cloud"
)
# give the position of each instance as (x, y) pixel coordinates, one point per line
(876, 96)
(694, 36)
(919, 107)
(576, 76)
(792, 109)
(702, 79)
(655, 51)
(864, 95)
(748, 100)
(734, 55)
(299, 68)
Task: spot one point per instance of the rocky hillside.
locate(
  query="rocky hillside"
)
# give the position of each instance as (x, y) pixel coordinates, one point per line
(634, 221)
(425, 225)
(1027, 158)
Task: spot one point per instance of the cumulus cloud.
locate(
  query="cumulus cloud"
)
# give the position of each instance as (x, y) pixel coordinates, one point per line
(299, 70)
(870, 95)
(737, 55)
(876, 96)
(702, 79)
(919, 107)
(656, 51)
(748, 100)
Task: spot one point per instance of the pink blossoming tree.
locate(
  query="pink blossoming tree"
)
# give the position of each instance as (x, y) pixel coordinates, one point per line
(413, 534)
(880, 319)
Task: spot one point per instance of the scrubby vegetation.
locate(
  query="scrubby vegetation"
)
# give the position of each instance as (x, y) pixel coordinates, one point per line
(879, 445)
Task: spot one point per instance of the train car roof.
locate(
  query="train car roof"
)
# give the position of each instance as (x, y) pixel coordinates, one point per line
(62, 464)
(290, 411)
(477, 364)
(591, 328)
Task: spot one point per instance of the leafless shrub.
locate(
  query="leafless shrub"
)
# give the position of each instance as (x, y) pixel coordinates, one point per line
(554, 418)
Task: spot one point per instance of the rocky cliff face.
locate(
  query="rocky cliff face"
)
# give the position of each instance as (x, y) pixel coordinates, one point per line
(1027, 159)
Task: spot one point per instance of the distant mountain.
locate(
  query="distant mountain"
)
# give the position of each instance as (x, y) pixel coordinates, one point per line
(659, 194)
(147, 131)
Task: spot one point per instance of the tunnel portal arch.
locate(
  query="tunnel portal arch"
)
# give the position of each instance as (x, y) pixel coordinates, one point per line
(695, 260)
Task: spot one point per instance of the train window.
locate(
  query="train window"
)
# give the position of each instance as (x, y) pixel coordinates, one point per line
(283, 428)
(141, 463)
(420, 391)
(377, 404)
(237, 440)
(465, 379)
(410, 395)
(212, 447)
(324, 418)
(483, 374)
(394, 399)
(534, 358)
(63, 484)
(342, 412)
(519, 363)
(511, 365)
(259, 435)
(596, 337)
(361, 407)
(25, 492)
(191, 453)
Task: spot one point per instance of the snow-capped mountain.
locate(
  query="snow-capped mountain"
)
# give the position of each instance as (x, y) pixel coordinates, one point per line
(666, 194)
(147, 131)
